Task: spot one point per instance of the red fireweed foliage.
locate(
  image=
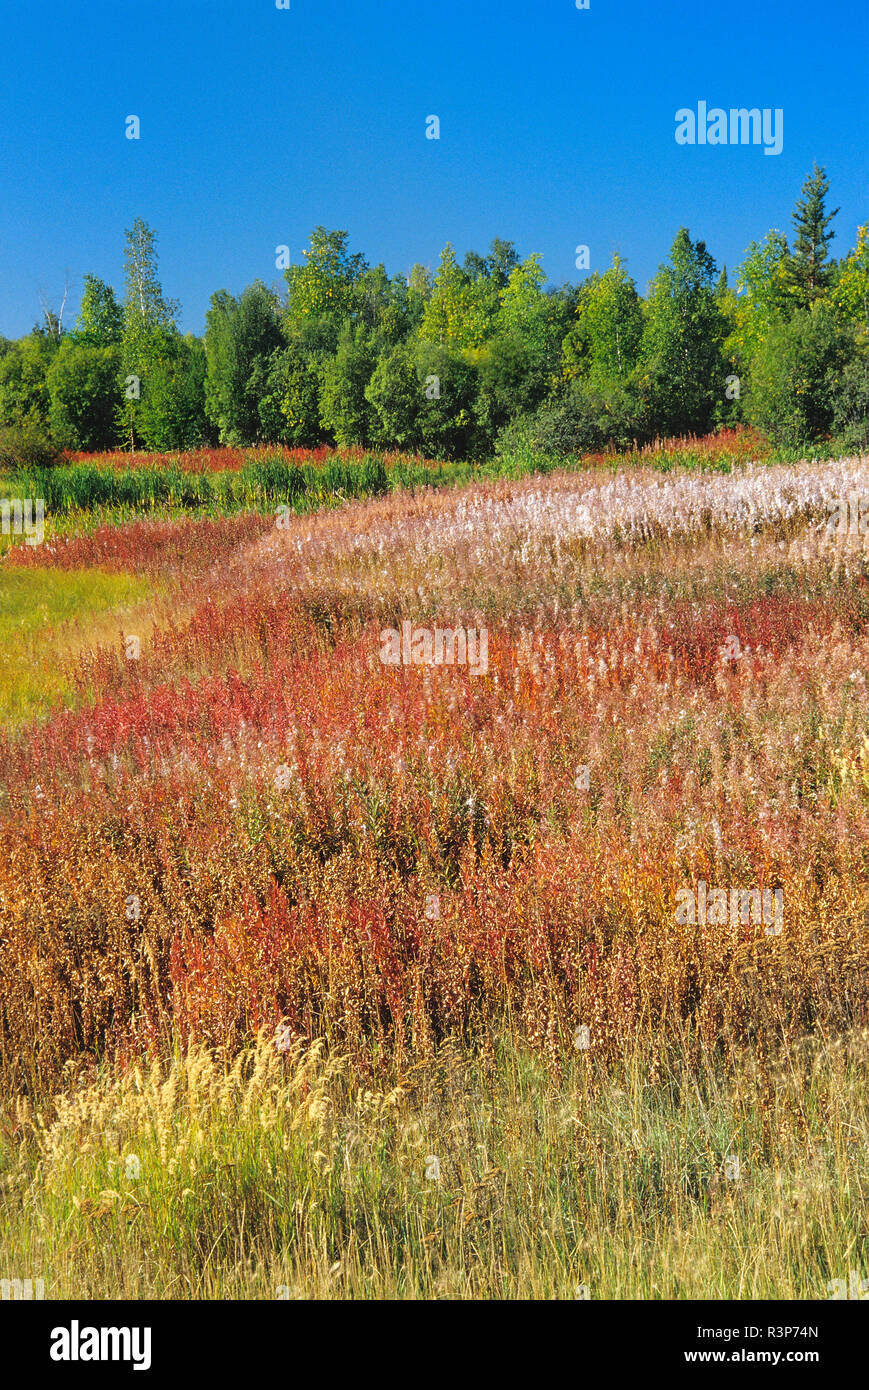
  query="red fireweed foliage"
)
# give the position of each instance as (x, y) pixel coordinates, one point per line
(227, 459)
(258, 820)
(181, 546)
(739, 443)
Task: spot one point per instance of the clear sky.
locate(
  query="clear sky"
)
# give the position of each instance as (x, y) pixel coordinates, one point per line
(557, 129)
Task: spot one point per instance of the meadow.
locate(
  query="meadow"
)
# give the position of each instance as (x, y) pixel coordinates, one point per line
(329, 978)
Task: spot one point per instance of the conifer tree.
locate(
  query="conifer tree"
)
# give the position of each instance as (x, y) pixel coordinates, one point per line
(810, 276)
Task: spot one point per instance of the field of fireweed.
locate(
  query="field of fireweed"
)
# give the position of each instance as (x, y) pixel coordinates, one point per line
(332, 966)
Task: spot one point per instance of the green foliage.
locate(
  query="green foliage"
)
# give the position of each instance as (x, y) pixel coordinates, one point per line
(448, 385)
(683, 361)
(100, 320)
(240, 337)
(424, 397)
(604, 343)
(526, 312)
(461, 311)
(419, 287)
(24, 395)
(765, 295)
(344, 407)
(797, 374)
(295, 379)
(519, 365)
(728, 411)
(83, 389)
(512, 384)
(382, 307)
(321, 293)
(498, 266)
(273, 421)
(851, 404)
(171, 413)
(264, 482)
(447, 363)
(144, 305)
(394, 394)
(809, 272)
(27, 445)
(584, 419)
(149, 338)
(850, 292)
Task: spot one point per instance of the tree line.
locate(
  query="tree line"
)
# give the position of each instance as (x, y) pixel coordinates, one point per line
(479, 356)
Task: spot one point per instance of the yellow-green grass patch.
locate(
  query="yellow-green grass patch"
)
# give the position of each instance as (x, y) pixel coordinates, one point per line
(47, 616)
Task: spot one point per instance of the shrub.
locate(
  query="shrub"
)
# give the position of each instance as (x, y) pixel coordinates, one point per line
(851, 405)
(344, 407)
(28, 445)
(584, 420)
(394, 394)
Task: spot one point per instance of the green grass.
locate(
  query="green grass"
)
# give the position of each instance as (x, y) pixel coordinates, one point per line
(282, 1176)
(47, 615)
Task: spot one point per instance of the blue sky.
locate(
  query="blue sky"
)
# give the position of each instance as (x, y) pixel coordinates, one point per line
(557, 129)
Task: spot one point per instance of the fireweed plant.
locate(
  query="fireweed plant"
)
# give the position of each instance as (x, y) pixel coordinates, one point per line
(454, 893)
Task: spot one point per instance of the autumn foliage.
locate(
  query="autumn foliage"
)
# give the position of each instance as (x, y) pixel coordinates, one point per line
(256, 824)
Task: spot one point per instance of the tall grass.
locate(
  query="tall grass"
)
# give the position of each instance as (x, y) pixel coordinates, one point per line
(264, 482)
(280, 1175)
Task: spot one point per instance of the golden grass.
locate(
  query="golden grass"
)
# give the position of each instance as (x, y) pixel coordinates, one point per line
(281, 1175)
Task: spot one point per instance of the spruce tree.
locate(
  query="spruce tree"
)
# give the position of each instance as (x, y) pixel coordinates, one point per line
(810, 276)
